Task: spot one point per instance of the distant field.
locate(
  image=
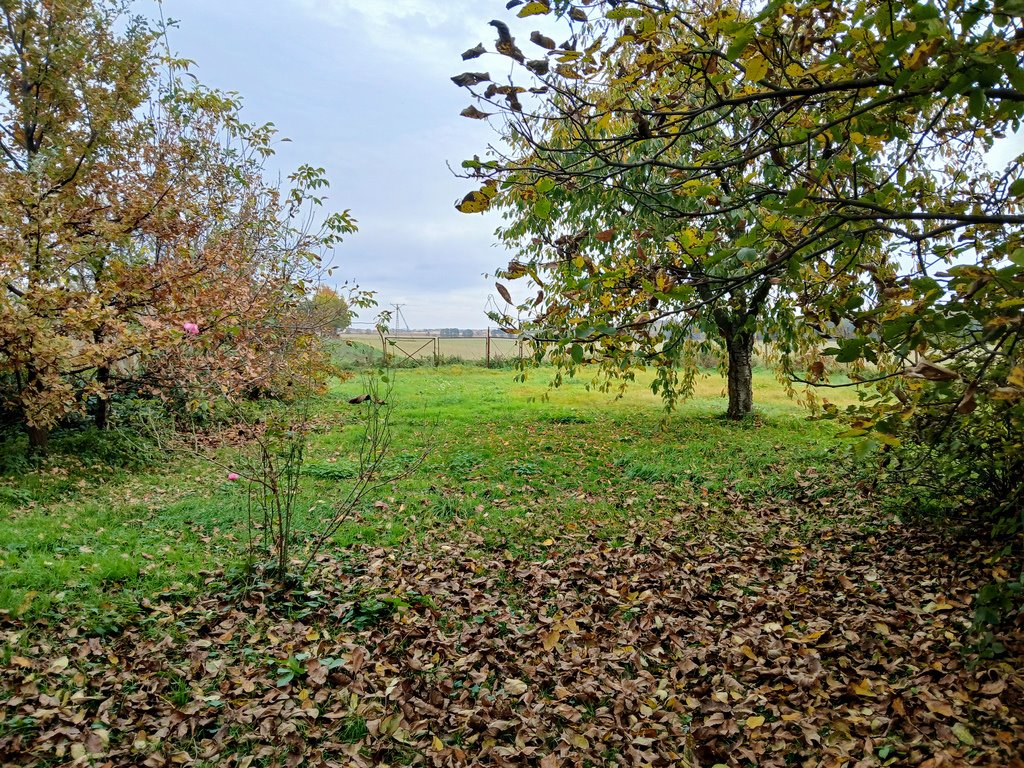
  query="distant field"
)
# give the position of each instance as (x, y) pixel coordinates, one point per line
(469, 349)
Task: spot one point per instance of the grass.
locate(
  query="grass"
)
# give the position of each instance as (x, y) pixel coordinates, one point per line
(92, 534)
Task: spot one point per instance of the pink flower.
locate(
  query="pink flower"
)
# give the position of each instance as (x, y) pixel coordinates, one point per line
(232, 476)
(190, 328)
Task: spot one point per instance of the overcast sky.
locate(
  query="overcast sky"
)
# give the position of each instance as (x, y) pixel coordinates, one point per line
(361, 87)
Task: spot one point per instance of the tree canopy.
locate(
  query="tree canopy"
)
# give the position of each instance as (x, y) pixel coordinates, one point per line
(141, 248)
(671, 161)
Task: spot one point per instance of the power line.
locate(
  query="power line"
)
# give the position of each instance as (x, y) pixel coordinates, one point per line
(398, 317)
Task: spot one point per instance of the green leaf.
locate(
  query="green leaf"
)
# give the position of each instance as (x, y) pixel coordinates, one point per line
(545, 185)
(543, 208)
(1017, 257)
(976, 103)
(1017, 188)
(796, 195)
(851, 350)
(739, 43)
(618, 14)
(746, 254)
(963, 734)
(577, 353)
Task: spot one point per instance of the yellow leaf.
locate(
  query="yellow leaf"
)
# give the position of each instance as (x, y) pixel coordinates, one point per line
(856, 137)
(748, 652)
(756, 69)
(26, 602)
(1006, 393)
(60, 664)
(789, 717)
(863, 688)
(551, 639)
(437, 744)
(533, 9)
(755, 721)
(1016, 377)
(474, 202)
(794, 70)
(548, 543)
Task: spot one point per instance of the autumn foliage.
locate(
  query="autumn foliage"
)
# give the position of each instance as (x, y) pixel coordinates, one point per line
(141, 248)
(823, 176)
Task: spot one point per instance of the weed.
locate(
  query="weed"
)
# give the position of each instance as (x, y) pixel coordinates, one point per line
(352, 729)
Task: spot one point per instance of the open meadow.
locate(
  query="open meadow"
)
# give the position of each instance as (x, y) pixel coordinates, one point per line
(419, 348)
(741, 484)
(568, 578)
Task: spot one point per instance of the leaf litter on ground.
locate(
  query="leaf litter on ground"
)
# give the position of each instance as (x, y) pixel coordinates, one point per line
(684, 644)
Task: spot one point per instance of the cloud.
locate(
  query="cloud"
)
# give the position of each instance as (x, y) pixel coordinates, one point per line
(424, 32)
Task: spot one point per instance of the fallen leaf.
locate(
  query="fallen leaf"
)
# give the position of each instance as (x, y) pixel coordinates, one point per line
(515, 687)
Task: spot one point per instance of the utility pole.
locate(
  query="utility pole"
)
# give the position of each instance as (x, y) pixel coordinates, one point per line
(398, 318)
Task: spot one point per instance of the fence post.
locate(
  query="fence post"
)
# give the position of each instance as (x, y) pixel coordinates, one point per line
(488, 346)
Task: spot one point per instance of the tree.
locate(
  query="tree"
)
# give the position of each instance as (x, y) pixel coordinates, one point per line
(859, 131)
(62, 122)
(326, 313)
(140, 246)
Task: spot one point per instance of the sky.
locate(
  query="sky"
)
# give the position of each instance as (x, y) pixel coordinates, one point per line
(362, 89)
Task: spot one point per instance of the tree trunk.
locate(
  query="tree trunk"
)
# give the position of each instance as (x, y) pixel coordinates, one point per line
(741, 389)
(101, 409)
(38, 440)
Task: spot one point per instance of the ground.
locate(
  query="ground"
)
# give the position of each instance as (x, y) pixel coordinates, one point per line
(564, 581)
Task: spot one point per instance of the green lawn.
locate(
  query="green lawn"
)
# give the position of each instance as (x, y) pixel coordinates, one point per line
(568, 578)
(515, 460)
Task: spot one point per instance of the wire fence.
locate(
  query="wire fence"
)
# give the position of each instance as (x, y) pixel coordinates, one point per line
(426, 348)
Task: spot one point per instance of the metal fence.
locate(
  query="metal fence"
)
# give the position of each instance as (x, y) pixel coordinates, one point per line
(488, 349)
